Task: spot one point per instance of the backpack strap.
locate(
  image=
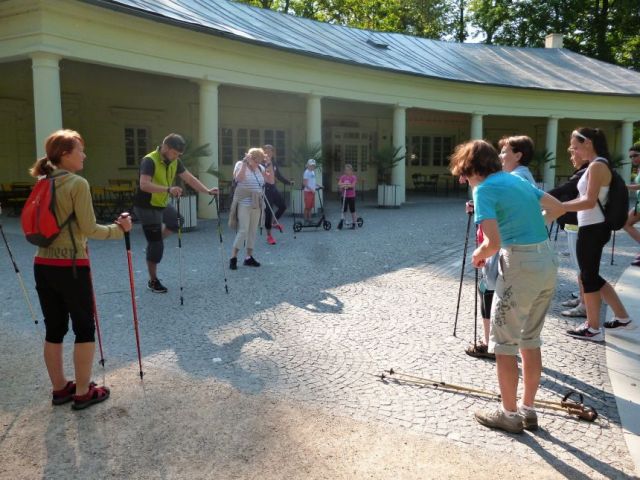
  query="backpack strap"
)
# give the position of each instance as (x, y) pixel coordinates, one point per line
(67, 222)
(606, 162)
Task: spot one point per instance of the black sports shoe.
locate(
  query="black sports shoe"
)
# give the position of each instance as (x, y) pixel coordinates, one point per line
(251, 262)
(616, 323)
(584, 333)
(156, 287)
(233, 263)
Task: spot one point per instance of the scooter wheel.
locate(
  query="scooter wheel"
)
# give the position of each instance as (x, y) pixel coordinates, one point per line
(340, 223)
(360, 221)
(297, 227)
(326, 225)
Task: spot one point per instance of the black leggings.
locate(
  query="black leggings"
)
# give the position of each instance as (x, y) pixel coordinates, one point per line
(350, 203)
(589, 246)
(63, 294)
(276, 201)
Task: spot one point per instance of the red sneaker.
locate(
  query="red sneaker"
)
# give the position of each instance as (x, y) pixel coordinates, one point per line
(271, 240)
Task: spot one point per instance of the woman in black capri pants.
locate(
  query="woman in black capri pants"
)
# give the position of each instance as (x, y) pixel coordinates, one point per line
(593, 233)
(61, 271)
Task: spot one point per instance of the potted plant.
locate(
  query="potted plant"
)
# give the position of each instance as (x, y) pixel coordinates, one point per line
(189, 199)
(385, 159)
(537, 165)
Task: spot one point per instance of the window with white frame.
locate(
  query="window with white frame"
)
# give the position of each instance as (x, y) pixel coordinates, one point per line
(136, 144)
(234, 143)
(423, 150)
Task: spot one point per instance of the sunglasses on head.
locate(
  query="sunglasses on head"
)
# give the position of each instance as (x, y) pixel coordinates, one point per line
(634, 155)
(579, 136)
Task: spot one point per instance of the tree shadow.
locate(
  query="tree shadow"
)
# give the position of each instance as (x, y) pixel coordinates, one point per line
(563, 467)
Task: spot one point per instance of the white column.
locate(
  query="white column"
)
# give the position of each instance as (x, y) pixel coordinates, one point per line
(399, 141)
(626, 142)
(208, 134)
(47, 102)
(476, 126)
(314, 132)
(551, 145)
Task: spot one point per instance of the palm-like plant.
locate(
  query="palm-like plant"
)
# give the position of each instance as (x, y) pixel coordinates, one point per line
(385, 159)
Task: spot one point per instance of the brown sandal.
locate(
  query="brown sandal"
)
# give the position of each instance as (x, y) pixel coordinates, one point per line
(480, 350)
(94, 395)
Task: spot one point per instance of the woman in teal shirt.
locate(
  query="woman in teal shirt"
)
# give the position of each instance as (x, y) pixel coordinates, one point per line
(509, 211)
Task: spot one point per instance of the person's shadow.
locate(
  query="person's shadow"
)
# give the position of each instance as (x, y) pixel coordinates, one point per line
(200, 357)
(326, 303)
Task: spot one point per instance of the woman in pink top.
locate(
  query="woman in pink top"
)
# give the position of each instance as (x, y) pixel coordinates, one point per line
(347, 184)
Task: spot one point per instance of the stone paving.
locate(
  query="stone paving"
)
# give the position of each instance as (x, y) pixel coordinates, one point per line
(325, 314)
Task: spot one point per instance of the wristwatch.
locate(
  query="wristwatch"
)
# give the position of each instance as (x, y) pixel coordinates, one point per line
(169, 190)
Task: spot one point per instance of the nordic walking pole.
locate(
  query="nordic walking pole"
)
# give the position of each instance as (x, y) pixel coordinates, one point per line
(219, 228)
(293, 209)
(127, 242)
(95, 311)
(180, 251)
(464, 261)
(20, 281)
(613, 246)
(475, 304)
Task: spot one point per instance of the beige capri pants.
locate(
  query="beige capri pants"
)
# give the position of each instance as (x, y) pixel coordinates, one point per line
(248, 221)
(525, 286)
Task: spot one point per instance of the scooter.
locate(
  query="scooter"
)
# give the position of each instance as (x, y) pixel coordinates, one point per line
(322, 221)
(343, 222)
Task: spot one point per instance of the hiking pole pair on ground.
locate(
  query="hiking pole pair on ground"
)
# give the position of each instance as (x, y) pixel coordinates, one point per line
(575, 408)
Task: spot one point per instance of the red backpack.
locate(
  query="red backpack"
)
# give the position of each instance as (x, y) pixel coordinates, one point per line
(39, 222)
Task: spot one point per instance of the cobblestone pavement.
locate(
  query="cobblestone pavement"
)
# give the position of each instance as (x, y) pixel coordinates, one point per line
(328, 311)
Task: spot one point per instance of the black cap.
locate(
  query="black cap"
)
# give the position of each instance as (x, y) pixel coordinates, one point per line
(175, 141)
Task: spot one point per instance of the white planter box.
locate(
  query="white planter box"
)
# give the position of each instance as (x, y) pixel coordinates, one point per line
(389, 196)
(188, 211)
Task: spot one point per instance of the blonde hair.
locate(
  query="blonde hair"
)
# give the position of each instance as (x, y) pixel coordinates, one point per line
(255, 151)
(57, 145)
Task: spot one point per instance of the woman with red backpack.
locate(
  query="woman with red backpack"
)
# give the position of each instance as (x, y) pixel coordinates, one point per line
(62, 271)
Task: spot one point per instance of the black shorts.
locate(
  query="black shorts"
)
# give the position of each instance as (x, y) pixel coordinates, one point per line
(350, 203)
(62, 295)
(486, 299)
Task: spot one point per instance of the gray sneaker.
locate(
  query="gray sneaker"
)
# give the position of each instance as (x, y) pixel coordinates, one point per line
(529, 419)
(498, 419)
(574, 302)
(576, 312)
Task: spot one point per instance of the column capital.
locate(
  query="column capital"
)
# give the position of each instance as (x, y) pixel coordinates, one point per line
(46, 59)
(478, 114)
(628, 120)
(554, 117)
(207, 83)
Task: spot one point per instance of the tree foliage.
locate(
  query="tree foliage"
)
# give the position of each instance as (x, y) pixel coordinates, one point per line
(604, 29)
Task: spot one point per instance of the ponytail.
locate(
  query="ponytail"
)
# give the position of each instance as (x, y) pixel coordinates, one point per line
(42, 167)
(598, 139)
(57, 145)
